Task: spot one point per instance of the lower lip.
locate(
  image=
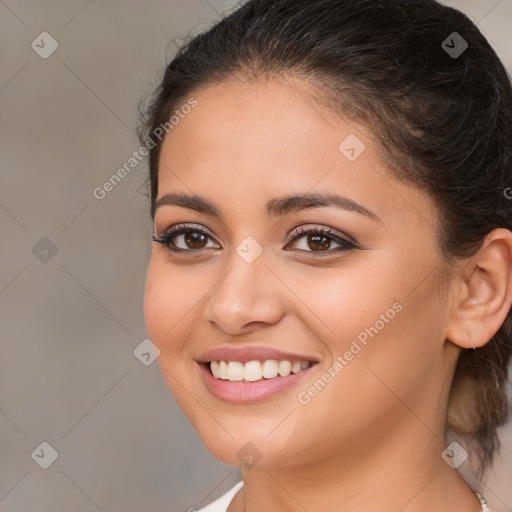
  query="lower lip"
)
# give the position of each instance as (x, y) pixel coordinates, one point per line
(243, 392)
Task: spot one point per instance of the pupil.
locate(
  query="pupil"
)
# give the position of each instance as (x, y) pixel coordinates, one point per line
(323, 244)
(193, 238)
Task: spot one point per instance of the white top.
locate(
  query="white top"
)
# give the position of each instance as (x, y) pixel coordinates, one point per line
(222, 503)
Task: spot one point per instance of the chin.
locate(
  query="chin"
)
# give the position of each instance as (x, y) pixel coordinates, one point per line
(244, 449)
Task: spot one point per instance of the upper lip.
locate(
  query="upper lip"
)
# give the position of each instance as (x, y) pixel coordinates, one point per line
(244, 354)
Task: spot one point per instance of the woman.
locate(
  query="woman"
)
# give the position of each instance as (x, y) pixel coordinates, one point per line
(330, 280)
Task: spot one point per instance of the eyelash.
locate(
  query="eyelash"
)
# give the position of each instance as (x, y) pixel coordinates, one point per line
(166, 239)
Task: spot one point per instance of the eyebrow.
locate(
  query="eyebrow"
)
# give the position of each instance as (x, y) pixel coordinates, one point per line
(274, 207)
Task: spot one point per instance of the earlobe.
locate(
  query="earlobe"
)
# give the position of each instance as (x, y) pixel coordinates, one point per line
(486, 293)
(470, 340)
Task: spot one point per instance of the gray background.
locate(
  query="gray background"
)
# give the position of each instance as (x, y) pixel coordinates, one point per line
(70, 321)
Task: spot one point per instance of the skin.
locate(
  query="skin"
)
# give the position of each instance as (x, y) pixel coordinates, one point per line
(372, 438)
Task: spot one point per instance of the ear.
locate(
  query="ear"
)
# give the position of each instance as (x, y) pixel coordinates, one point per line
(484, 292)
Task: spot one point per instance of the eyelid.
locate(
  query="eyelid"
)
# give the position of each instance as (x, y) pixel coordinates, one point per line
(331, 232)
(297, 230)
(345, 241)
(182, 226)
(177, 230)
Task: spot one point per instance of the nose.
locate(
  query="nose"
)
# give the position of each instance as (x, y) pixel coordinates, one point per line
(247, 295)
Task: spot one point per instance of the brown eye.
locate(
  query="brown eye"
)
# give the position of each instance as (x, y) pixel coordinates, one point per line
(184, 239)
(320, 240)
(195, 240)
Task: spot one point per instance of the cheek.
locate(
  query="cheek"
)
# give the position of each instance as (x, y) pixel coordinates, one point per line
(377, 326)
(175, 298)
(343, 305)
(154, 297)
(169, 298)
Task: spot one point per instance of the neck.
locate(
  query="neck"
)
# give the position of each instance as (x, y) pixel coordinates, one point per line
(403, 471)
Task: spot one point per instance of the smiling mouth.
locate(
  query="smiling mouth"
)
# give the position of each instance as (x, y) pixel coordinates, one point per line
(255, 370)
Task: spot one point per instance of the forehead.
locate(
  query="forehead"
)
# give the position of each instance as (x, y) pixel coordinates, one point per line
(245, 141)
(242, 129)
(272, 118)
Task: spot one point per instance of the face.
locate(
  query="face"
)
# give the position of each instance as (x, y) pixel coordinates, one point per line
(362, 299)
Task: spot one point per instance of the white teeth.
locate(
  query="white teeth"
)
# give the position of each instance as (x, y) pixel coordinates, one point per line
(296, 367)
(223, 370)
(285, 367)
(214, 367)
(235, 370)
(270, 368)
(255, 370)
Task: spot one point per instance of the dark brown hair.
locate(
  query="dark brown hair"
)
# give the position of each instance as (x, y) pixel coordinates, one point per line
(443, 121)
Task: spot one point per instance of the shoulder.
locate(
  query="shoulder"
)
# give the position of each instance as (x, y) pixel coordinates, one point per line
(222, 503)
